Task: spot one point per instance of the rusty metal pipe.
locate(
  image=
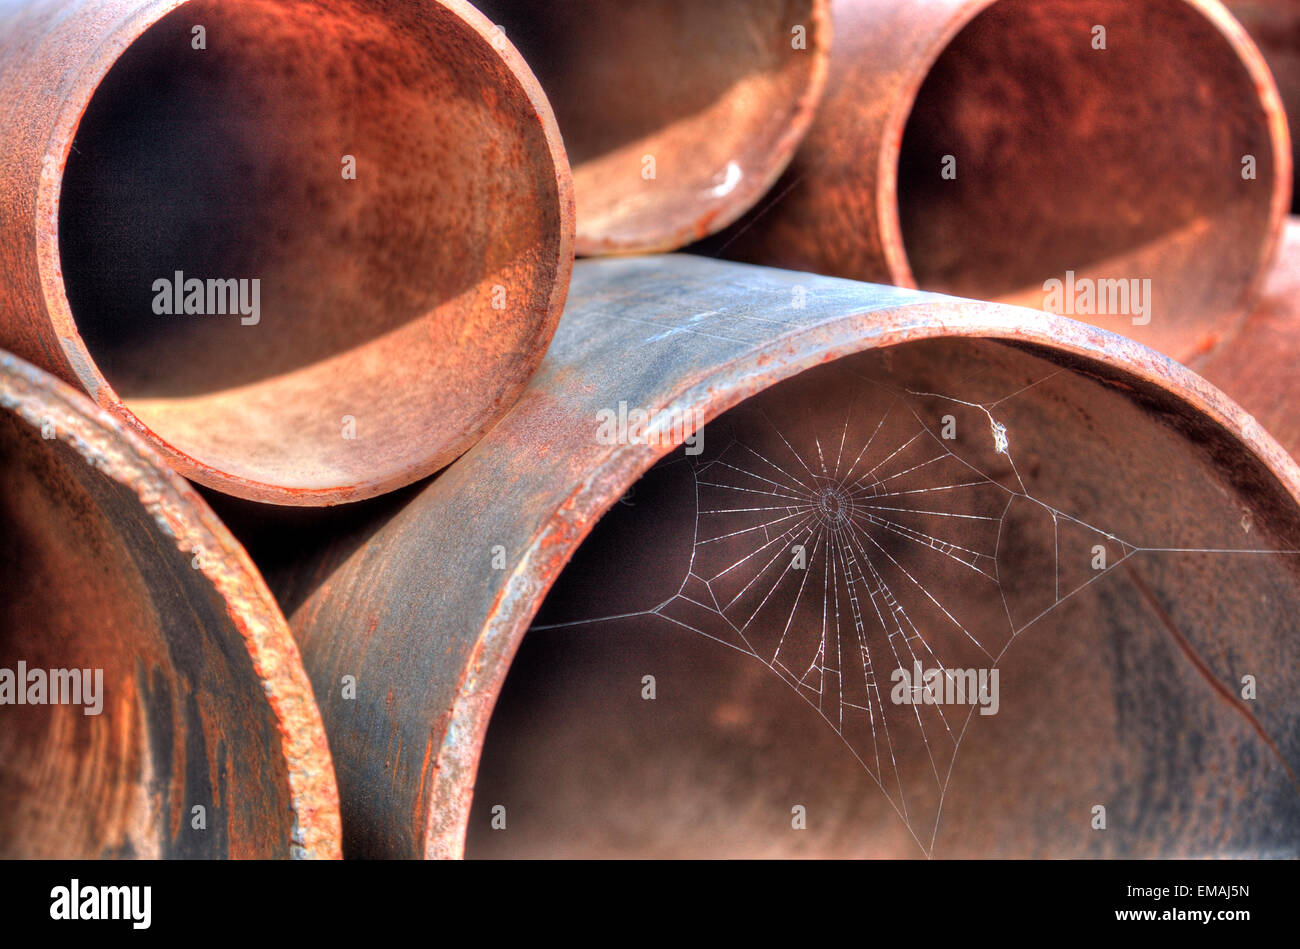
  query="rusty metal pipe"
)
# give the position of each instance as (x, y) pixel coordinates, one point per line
(339, 166)
(985, 147)
(1258, 364)
(201, 713)
(424, 597)
(677, 115)
(1274, 25)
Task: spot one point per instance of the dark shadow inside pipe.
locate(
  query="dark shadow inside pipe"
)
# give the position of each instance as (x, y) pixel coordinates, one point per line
(351, 159)
(100, 608)
(715, 672)
(297, 549)
(705, 89)
(1031, 152)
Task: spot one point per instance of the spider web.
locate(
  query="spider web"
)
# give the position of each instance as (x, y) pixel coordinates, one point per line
(837, 555)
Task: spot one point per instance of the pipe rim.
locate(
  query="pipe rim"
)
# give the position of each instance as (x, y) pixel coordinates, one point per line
(81, 363)
(554, 543)
(752, 188)
(179, 513)
(1217, 17)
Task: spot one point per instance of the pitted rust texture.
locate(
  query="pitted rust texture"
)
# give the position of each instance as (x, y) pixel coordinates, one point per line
(677, 115)
(401, 310)
(114, 562)
(430, 646)
(1117, 164)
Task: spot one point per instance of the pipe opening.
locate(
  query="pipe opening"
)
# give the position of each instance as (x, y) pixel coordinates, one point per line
(714, 672)
(676, 115)
(101, 608)
(339, 168)
(1122, 164)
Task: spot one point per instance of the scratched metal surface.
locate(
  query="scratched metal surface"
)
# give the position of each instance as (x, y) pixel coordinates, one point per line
(409, 603)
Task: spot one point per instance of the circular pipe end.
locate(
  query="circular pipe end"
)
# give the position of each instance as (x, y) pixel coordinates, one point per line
(277, 247)
(1095, 542)
(677, 115)
(1123, 164)
(164, 709)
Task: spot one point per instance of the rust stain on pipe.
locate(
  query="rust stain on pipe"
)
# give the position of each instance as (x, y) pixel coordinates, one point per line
(1071, 162)
(1259, 364)
(1274, 25)
(677, 115)
(338, 166)
(1061, 425)
(113, 563)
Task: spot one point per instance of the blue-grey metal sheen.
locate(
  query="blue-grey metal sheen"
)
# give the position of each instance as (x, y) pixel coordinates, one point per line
(425, 606)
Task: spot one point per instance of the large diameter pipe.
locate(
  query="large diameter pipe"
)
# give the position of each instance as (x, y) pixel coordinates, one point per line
(677, 115)
(152, 700)
(1137, 153)
(1073, 439)
(717, 671)
(1274, 25)
(309, 250)
(1258, 364)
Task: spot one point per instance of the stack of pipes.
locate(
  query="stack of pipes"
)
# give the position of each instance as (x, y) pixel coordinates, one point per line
(903, 469)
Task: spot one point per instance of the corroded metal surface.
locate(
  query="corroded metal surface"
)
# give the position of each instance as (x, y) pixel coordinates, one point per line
(678, 115)
(1274, 25)
(984, 148)
(112, 562)
(387, 175)
(425, 601)
(1260, 364)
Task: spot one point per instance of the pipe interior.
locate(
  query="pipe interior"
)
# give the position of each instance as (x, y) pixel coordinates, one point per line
(705, 89)
(1122, 163)
(92, 583)
(1114, 681)
(401, 299)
